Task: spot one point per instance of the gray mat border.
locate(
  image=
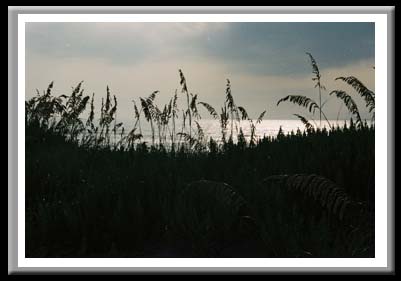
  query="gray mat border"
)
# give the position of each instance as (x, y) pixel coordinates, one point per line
(13, 135)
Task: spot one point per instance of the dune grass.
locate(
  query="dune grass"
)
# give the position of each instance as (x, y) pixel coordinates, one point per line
(305, 194)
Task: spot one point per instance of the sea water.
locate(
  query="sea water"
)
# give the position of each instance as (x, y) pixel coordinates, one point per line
(212, 129)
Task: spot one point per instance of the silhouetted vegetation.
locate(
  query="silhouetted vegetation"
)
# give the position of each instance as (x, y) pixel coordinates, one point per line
(303, 194)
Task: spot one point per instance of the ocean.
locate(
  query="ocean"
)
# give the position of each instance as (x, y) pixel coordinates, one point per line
(211, 128)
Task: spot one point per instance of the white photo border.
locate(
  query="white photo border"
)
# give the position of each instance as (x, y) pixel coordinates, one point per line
(381, 141)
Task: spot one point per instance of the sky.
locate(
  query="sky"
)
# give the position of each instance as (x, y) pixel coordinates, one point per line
(264, 62)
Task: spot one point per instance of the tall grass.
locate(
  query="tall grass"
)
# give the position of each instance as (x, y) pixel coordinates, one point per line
(302, 194)
(348, 101)
(82, 201)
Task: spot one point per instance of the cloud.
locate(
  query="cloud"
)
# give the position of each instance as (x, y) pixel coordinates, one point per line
(268, 48)
(279, 48)
(118, 43)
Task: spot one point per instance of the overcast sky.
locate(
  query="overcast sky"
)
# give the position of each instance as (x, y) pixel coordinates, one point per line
(264, 61)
